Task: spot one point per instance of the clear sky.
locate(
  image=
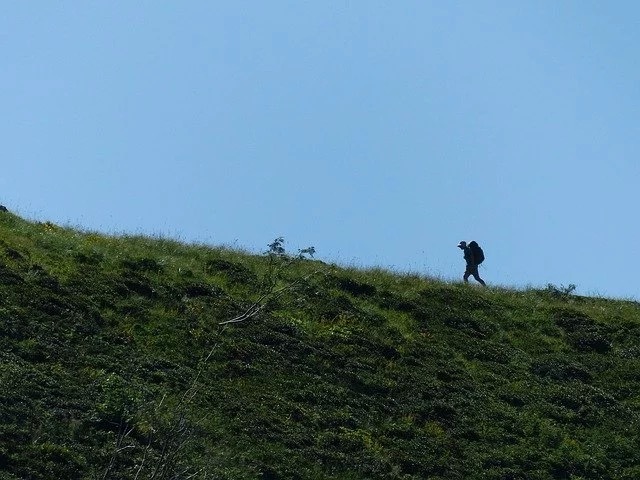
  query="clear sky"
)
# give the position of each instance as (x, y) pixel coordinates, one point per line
(381, 133)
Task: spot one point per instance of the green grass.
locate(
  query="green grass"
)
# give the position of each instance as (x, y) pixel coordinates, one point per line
(114, 365)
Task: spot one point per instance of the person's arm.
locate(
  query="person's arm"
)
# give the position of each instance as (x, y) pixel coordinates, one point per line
(468, 255)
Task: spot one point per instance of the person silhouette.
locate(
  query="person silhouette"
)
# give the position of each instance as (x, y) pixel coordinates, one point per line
(472, 266)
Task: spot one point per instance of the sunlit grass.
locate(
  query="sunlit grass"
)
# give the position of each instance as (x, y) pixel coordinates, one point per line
(345, 373)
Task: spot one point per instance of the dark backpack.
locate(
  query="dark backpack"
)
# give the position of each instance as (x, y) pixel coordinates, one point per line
(478, 254)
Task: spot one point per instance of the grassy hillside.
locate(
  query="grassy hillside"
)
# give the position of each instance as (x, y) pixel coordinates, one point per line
(115, 366)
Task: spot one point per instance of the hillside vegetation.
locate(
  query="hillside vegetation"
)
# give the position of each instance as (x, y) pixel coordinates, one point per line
(115, 366)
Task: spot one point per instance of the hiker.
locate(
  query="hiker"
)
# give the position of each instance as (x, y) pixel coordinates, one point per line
(472, 261)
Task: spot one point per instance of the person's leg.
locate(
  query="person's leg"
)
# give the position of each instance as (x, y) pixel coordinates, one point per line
(467, 272)
(473, 270)
(477, 277)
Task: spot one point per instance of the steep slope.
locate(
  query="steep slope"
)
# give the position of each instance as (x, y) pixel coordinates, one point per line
(115, 365)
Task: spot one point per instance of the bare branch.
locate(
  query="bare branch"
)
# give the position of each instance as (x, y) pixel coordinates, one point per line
(261, 303)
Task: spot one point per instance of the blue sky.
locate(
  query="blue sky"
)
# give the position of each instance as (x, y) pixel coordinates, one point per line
(382, 133)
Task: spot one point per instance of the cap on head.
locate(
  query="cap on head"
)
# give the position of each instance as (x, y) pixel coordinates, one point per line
(462, 244)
